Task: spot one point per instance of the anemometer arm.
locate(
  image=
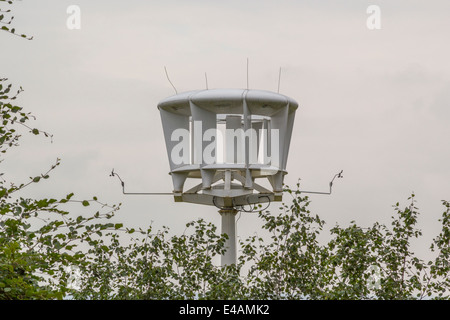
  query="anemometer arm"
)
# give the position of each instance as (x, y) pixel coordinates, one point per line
(137, 193)
(337, 175)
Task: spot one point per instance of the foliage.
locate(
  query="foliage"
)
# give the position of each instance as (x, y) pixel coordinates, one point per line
(39, 240)
(153, 266)
(357, 263)
(6, 19)
(38, 237)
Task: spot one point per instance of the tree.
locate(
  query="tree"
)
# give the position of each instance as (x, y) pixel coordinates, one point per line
(38, 237)
(357, 263)
(6, 19)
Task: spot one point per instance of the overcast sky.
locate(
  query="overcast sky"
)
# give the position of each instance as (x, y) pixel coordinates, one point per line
(375, 103)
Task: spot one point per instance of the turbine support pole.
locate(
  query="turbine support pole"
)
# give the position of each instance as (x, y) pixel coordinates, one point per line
(229, 228)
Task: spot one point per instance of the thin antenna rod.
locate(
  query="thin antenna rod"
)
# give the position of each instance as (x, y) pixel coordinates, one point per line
(167, 75)
(247, 73)
(138, 193)
(206, 78)
(279, 80)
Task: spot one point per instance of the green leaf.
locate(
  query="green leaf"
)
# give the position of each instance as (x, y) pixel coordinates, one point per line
(35, 131)
(118, 225)
(85, 203)
(42, 203)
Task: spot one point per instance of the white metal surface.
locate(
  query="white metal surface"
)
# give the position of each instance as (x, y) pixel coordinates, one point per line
(266, 117)
(229, 228)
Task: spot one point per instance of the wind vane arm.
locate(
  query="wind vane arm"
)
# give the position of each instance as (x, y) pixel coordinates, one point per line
(337, 175)
(115, 174)
(137, 193)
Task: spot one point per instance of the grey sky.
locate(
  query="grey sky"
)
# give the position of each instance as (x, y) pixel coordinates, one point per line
(374, 103)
